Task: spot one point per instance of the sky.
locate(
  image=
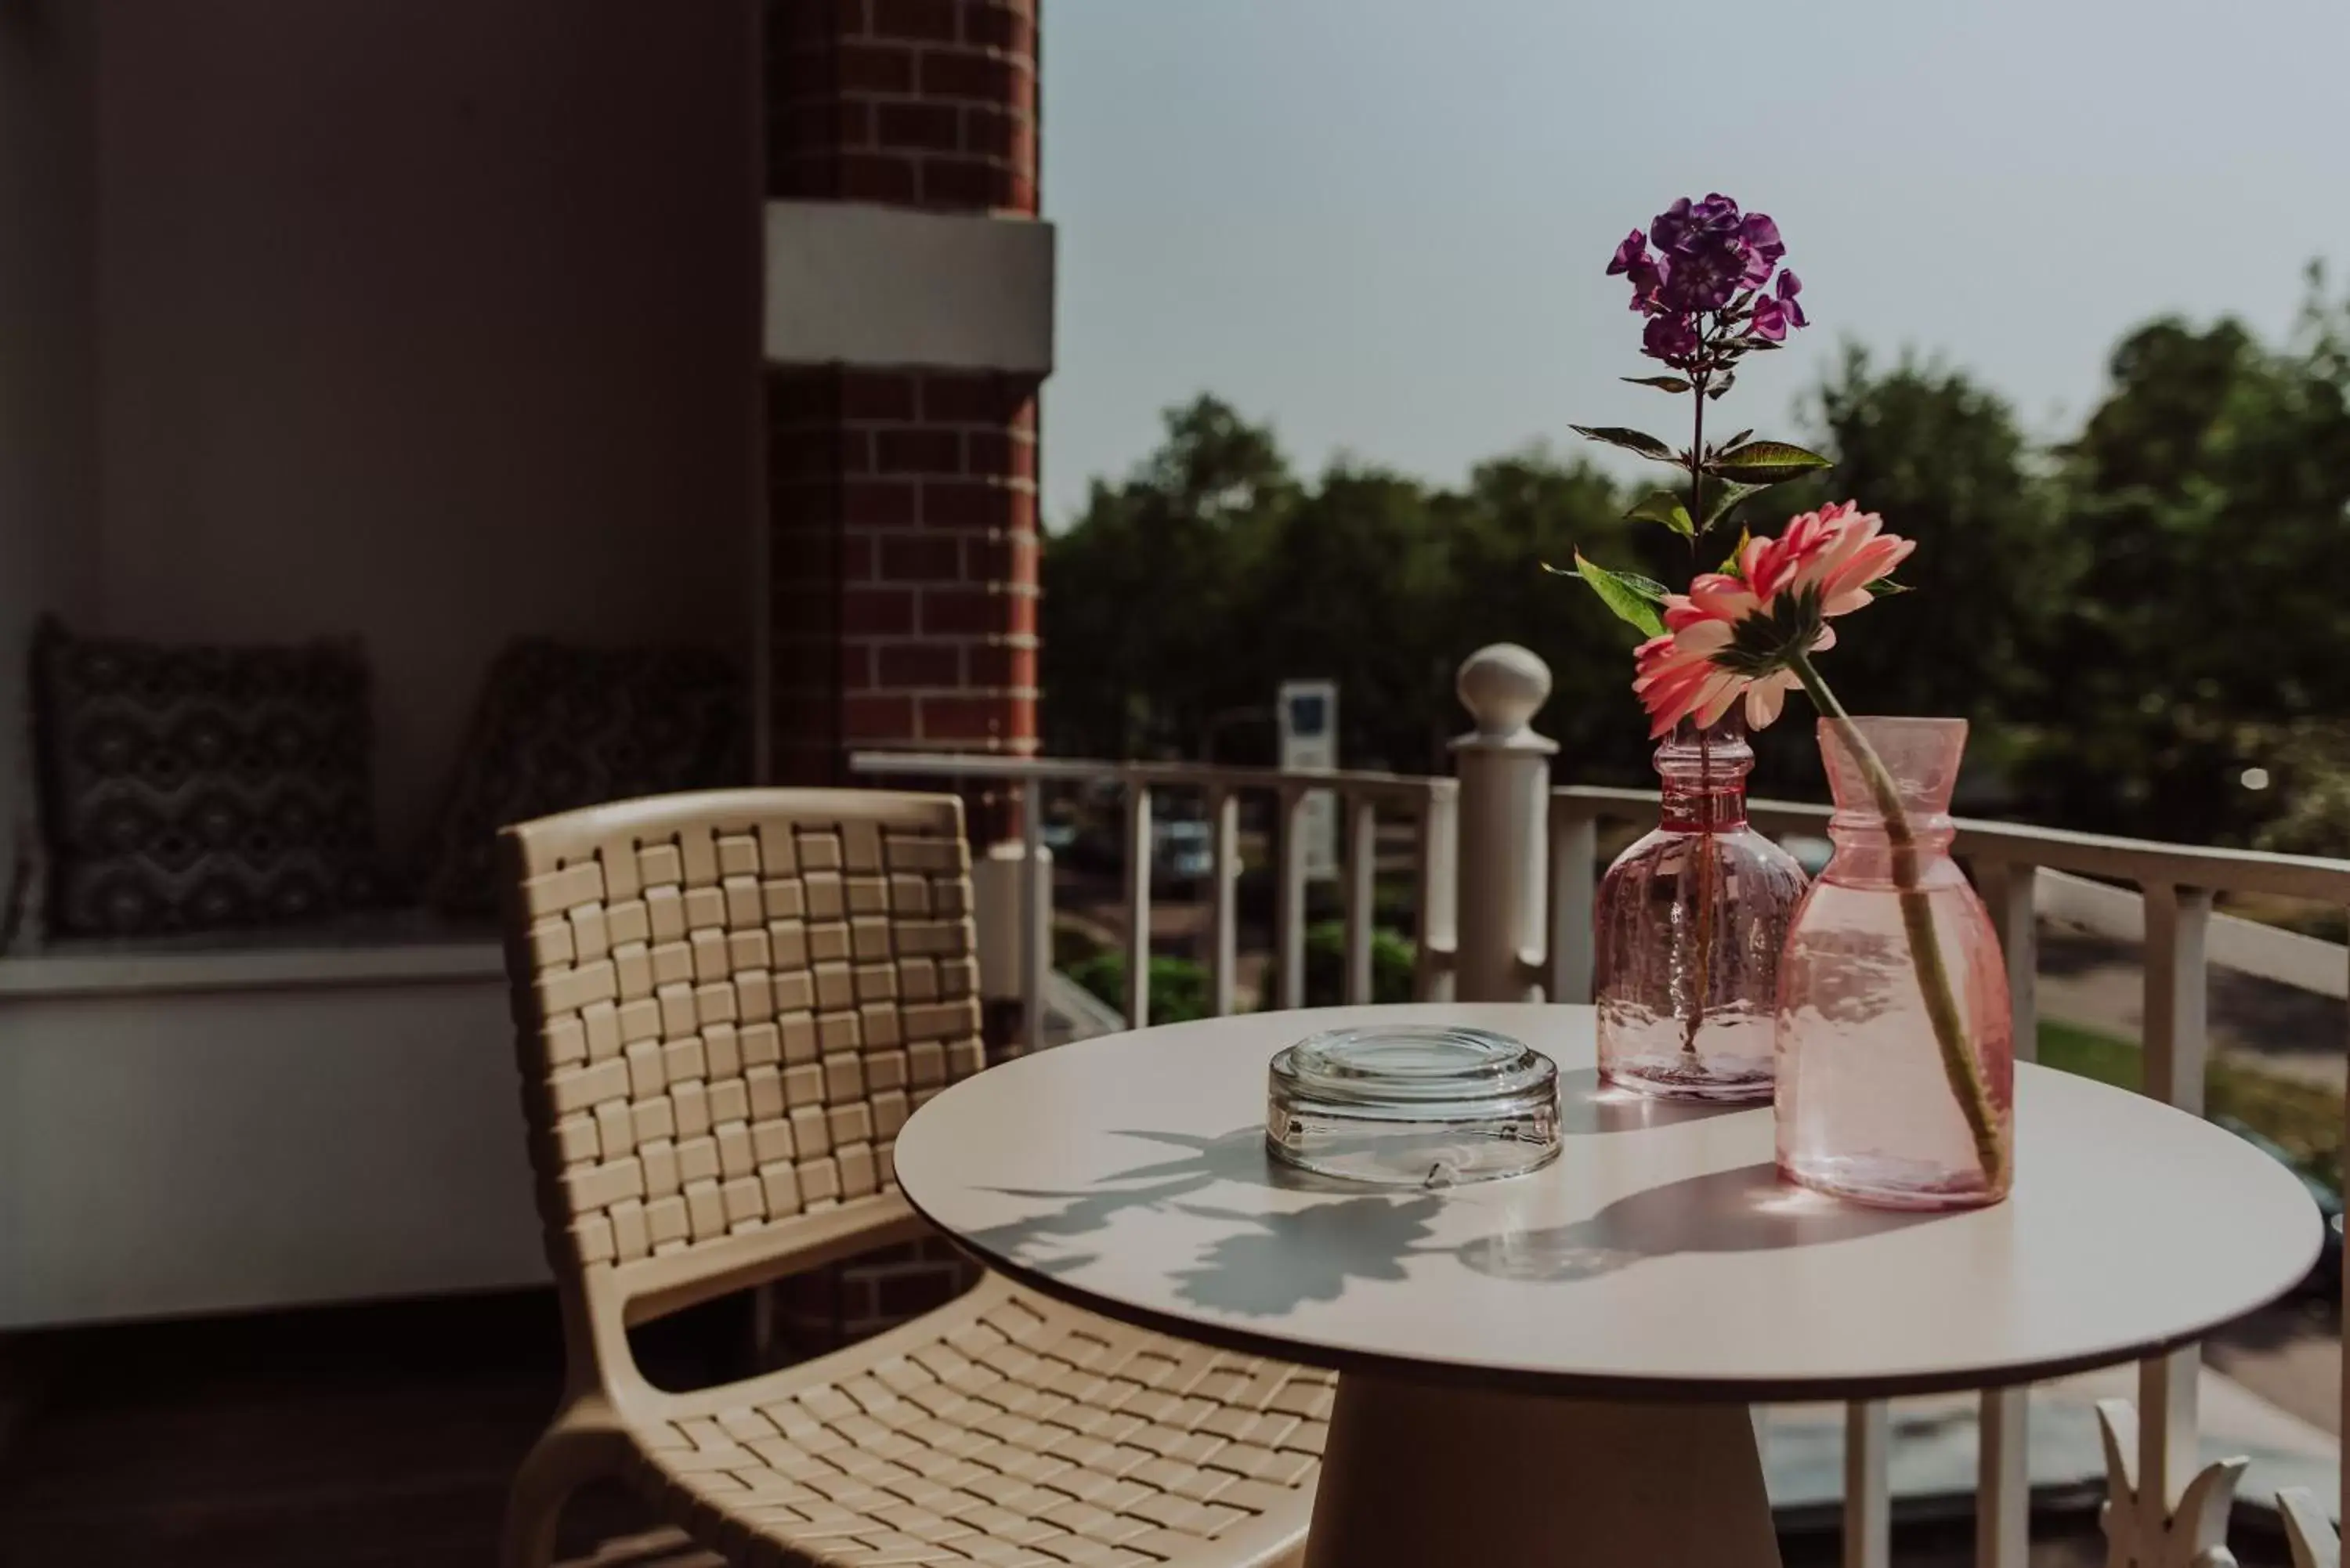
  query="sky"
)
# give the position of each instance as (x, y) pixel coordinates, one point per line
(1381, 225)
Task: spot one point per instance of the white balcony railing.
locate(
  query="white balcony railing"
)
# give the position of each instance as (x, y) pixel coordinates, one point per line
(1492, 928)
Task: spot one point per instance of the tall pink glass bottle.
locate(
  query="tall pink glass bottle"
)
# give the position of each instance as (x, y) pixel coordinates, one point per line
(1897, 1056)
(1688, 930)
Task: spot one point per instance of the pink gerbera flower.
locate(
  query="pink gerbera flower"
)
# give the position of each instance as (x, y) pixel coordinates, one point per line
(1737, 635)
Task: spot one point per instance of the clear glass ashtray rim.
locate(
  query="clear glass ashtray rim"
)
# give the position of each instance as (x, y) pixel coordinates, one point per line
(1500, 1078)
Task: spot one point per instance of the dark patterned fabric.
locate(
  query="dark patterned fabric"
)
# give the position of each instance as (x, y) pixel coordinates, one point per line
(560, 727)
(197, 788)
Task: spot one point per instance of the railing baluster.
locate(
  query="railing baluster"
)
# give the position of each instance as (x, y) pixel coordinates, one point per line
(1138, 904)
(1289, 902)
(1223, 949)
(1035, 921)
(1362, 886)
(2002, 1460)
(1437, 874)
(2003, 1480)
(2010, 888)
(1868, 1492)
(2175, 1052)
(1574, 860)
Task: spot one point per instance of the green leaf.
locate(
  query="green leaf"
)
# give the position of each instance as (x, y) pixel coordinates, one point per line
(1733, 440)
(1759, 344)
(1765, 462)
(1724, 496)
(1662, 383)
(1663, 506)
(1632, 597)
(1885, 587)
(1729, 562)
(1639, 441)
(1729, 380)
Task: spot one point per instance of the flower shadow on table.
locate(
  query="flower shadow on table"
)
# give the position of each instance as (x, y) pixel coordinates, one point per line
(1269, 1262)
(1050, 1243)
(1747, 1208)
(1282, 1260)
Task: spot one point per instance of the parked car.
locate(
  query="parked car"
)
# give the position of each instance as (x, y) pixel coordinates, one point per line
(2325, 1274)
(1182, 850)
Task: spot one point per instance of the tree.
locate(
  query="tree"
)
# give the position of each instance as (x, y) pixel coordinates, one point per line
(2209, 490)
(1143, 594)
(1943, 460)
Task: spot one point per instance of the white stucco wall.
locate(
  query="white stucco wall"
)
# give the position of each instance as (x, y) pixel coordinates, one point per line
(48, 471)
(431, 322)
(165, 1152)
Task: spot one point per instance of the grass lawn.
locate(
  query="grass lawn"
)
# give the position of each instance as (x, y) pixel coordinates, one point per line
(2302, 1117)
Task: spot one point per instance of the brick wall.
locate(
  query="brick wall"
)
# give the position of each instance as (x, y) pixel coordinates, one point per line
(927, 103)
(904, 515)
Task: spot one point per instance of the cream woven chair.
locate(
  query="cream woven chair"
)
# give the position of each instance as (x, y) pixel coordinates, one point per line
(727, 1004)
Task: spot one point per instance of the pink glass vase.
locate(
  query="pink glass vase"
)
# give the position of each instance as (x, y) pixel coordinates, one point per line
(1896, 1056)
(1688, 928)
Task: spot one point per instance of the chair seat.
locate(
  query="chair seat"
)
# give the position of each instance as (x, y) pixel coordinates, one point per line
(1003, 1429)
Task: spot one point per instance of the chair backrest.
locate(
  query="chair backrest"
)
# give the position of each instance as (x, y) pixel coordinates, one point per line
(726, 1006)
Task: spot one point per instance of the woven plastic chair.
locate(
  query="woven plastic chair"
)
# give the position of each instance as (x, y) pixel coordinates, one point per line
(726, 1006)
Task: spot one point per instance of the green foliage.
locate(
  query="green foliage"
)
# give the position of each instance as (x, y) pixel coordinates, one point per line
(2209, 492)
(1633, 598)
(2130, 619)
(1178, 599)
(1762, 462)
(2304, 1120)
(1663, 506)
(1393, 961)
(1179, 987)
(1637, 442)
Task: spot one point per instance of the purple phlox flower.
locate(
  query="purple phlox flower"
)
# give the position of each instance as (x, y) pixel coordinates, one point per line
(1672, 338)
(1670, 226)
(1763, 248)
(1686, 224)
(1705, 273)
(1775, 313)
(1790, 285)
(1716, 215)
(1649, 274)
(1629, 255)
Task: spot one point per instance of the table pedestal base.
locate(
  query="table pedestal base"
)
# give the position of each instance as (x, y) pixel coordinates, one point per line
(1421, 1474)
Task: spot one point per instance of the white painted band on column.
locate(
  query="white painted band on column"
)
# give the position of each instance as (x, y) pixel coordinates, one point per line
(852, 284)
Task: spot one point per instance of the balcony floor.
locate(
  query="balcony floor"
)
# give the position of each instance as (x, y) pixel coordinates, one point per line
(383, 1436)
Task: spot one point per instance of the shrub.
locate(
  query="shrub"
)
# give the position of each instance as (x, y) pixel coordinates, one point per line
(1179, 987)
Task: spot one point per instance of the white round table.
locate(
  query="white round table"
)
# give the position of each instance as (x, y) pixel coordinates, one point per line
(1555, 1367)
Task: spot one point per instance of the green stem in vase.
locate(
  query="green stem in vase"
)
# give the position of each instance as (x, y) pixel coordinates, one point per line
(1959, 1065)
(1705, 846)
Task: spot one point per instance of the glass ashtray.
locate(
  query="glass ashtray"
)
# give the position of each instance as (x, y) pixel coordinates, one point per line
(1412, 1106)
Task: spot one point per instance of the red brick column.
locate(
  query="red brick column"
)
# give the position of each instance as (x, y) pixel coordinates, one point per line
(903, 500)
(902, 497)
(927, 103)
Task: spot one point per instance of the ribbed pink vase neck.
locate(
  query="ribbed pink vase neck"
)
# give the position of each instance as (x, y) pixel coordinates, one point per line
(1701, 776)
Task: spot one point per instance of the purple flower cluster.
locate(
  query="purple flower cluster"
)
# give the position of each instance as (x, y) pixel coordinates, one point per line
(1710, 258)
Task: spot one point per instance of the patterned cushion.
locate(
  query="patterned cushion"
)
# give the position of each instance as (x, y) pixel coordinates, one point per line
(195, 788)
(560, 727)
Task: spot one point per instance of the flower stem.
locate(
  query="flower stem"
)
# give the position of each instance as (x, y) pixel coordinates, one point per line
(1959, 1063)
(1704, 894)
(1705, 846)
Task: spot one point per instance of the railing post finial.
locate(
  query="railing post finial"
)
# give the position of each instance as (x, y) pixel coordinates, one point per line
(1504, 770)
(1503, 686)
